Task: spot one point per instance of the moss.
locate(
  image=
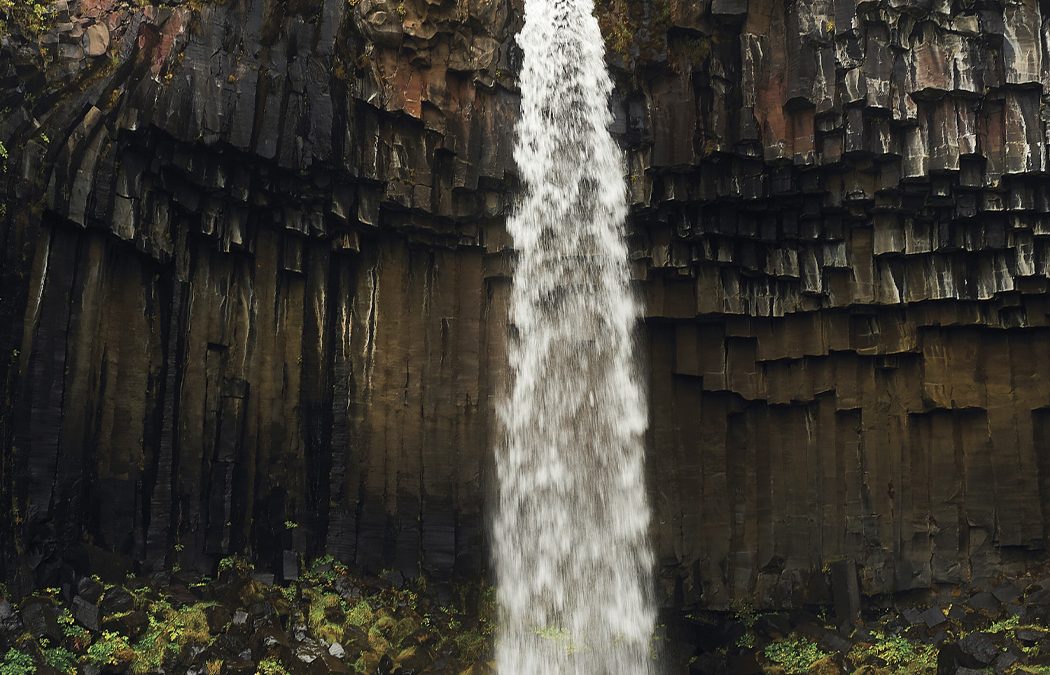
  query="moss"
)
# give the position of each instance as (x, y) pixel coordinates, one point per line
(377, 641)
(325, 615)
(170, 631)
(360, 615)
(634, 29)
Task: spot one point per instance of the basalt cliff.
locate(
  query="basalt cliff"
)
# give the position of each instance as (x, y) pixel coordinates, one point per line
(254, 282)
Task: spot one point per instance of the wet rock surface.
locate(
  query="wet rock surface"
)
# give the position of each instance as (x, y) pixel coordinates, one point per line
(253, 292)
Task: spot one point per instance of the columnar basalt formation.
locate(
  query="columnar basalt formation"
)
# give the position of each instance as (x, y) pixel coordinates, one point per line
(251, 306)
(255, 276)
(841, 212)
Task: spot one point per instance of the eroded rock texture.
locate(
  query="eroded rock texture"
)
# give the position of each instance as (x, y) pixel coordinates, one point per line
(255, 273)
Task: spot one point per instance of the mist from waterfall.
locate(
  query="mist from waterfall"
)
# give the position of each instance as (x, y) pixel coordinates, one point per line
(572, 557)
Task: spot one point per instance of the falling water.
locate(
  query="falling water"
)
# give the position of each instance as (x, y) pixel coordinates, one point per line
(570, 539)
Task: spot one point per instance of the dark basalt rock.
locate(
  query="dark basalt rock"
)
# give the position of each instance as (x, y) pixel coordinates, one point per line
(86, 613)
(253, 293)
(90, 590)
(933, 617)
(984, 602)
(116, 600)
(132, 623)
(290, 566)
(40, 619)
(977, 650)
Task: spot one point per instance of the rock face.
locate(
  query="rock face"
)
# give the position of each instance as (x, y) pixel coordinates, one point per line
(255, 275)
(840, 217)
(255, 302)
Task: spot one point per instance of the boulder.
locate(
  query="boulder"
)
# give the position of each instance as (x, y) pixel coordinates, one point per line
(96, 40)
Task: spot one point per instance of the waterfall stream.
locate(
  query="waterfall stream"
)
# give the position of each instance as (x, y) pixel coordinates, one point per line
(570, 533)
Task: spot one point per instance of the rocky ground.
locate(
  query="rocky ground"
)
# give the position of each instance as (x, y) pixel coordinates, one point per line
(322, 621)
(1003, 629)
(324, 618)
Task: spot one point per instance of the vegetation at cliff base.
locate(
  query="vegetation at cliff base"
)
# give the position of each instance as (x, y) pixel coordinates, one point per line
(29, 17)
(897, 652)
(241, 620)
(16, 662)
(795, 654)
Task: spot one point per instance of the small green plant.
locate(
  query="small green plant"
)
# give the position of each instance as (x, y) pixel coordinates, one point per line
(235, 562)
(75, 634)
(271, 667)
(3, 152)
(61, 659)
(324, 571)
(290, 524)
(744, 612)
(1004, 625)
(794, 654)
(31, 17)
(112, 649)
(17, 662)
(897, 652)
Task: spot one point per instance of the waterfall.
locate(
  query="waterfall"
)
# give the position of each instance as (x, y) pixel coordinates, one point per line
(570, 534)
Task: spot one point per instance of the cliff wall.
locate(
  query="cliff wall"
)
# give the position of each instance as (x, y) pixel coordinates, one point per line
(255, 273)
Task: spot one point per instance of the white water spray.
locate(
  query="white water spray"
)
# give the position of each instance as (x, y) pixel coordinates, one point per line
(571, 551)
